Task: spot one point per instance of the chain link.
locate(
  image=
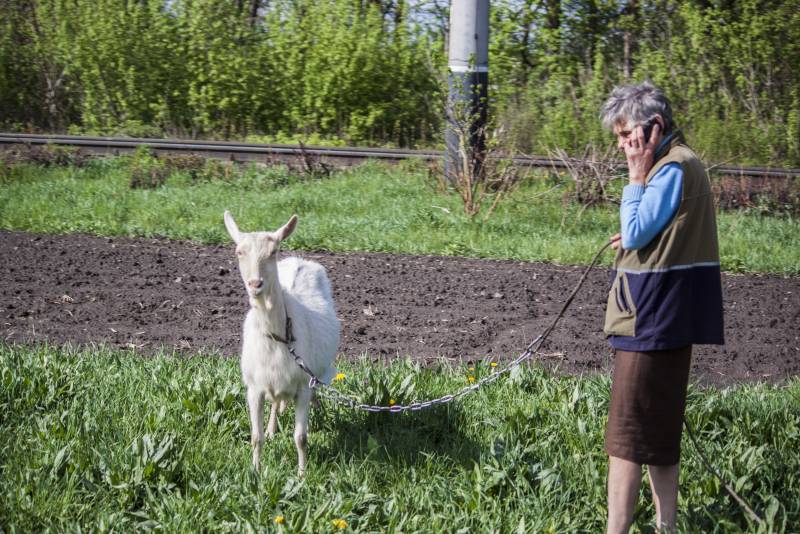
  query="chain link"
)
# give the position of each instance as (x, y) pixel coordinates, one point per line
(328, 392)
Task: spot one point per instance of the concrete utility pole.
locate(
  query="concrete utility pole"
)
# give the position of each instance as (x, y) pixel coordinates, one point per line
(468, 62)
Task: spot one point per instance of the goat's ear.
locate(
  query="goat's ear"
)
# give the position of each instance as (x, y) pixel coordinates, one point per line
(287, 229)
(230, 224)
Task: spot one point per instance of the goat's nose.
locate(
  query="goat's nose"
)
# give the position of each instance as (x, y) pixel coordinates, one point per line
(256, 283)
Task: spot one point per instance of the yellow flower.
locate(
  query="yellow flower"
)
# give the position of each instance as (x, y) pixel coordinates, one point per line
(340, 376)
(392, 402)
(493, 364)
(471, 378)
(341, 524)
(471, 369)
(279, 519)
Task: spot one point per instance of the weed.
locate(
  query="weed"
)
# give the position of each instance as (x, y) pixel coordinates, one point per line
(312, 166)
(187, 163)
(146, 171)
(45, 155)
(766, 196)
(591, 174)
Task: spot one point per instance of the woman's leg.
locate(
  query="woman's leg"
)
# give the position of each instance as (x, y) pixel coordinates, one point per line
(664, 483)
(624, 482)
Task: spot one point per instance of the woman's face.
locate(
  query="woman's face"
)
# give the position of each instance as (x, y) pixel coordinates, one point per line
(625, 132)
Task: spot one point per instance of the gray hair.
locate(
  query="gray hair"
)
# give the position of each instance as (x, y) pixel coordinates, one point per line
(638, 103)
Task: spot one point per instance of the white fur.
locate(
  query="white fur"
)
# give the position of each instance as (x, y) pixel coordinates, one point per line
(301, 289)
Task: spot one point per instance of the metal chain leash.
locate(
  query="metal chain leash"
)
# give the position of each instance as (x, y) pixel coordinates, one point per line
(327, 391)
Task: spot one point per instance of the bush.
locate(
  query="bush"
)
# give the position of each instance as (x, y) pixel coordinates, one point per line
(775, 195)
(146, 171)
(45, 155)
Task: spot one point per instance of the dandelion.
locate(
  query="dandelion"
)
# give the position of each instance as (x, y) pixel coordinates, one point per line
(340, 376)
(392, 402)
(279, 519)
(341, 524)
(471, 369)
(471, 378)
(493, 364)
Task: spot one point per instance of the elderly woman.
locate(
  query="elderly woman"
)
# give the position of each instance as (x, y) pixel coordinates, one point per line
(665, 297)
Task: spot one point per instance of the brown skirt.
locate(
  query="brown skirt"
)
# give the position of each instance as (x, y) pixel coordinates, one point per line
(648, 400)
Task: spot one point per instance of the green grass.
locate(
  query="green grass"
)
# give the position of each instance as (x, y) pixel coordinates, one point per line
(102, 440)
(369, 208)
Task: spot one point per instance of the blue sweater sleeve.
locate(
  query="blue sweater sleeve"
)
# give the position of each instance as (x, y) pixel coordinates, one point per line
(645, 211)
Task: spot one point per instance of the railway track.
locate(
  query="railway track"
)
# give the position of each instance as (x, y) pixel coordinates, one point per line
(270, 154)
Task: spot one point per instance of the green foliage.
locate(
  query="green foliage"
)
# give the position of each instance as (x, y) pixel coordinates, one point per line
(103, 440)
(368, 208)
(378, 388)
(730, 69)
(736, 87)
(206, 67)
(352, 72)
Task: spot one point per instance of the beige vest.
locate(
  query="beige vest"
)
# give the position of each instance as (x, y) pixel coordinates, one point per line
(689, 241)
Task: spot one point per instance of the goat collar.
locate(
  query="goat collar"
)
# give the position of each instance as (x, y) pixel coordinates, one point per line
(289, 336)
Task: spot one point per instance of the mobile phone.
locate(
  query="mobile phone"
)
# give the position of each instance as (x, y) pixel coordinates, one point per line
(647, 129)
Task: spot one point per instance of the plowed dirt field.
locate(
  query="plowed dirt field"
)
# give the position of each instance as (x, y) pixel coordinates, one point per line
(144, 294)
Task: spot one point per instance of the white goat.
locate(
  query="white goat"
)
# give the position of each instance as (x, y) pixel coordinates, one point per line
(293, 291)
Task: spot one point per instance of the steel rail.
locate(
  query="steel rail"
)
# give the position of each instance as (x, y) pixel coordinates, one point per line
(270, 153)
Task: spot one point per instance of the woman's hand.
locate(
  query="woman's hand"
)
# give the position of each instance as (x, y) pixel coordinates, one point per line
(640, 153)
(615, 240)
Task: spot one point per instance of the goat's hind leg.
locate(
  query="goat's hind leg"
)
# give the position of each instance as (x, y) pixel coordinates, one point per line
(255, 404)
(301, 427)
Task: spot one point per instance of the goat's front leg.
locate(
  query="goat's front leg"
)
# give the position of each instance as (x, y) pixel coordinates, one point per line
(255, 404)
(272, 425)
(301, 428)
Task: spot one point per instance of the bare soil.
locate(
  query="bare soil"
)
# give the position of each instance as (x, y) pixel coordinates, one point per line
(149, 294)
